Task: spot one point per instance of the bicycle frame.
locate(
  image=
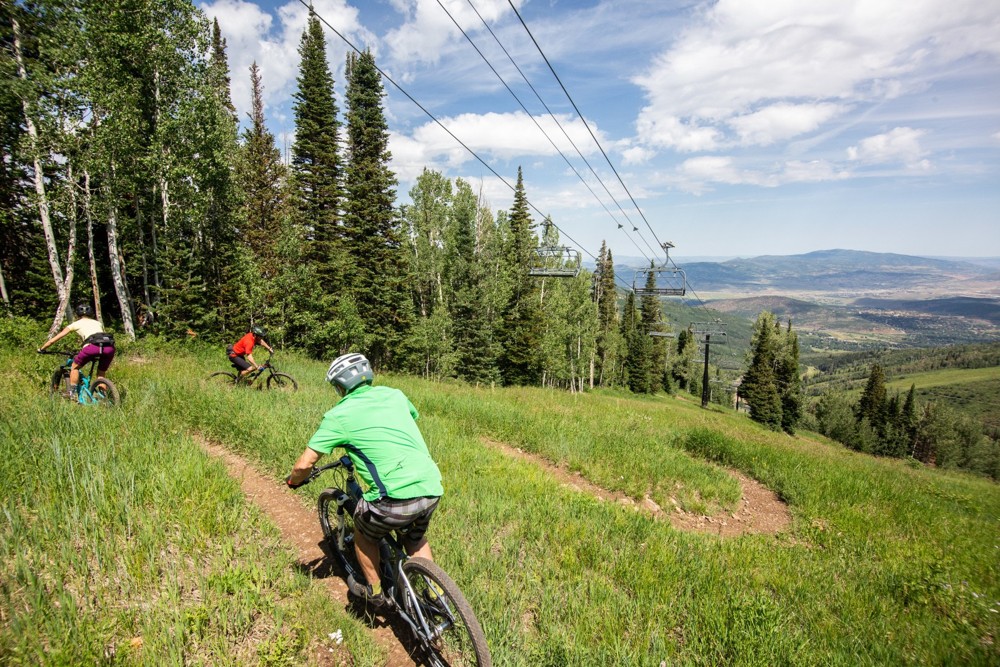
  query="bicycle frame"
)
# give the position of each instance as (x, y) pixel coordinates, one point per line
(84, 394)
(391, 562)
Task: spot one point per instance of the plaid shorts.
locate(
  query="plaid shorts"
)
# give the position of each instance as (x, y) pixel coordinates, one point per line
(409, 518)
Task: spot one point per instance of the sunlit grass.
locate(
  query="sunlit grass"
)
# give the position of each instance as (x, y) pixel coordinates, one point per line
(883, 564)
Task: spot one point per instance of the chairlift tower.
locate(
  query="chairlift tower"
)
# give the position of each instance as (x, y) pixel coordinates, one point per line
(704, 332)
(667, 280)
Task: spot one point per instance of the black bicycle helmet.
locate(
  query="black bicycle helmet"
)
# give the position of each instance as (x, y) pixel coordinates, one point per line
(258, 331)
(348, 372)
(84, 310)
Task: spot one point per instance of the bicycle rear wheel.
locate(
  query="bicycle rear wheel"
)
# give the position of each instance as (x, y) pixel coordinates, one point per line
(456, 638)
(222, 377)
(282, 382)
(105, 392)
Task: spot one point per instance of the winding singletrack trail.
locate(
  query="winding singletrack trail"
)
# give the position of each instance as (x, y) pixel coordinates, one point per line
(760, 510)
(299, 527)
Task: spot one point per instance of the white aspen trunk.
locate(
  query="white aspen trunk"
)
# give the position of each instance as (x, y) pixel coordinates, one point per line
(90, 246)
(117, 276)
(67, 286)
(39, 182)
(3, 293)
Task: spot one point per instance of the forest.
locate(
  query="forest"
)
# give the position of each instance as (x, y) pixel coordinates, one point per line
(130, 185)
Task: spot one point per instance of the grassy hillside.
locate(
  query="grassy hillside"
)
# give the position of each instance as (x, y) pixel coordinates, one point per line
(118, 528)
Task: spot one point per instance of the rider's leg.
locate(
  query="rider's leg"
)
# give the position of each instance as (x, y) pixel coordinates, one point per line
(366, 550)
(421, 549)
(107, 356)
(74, 378)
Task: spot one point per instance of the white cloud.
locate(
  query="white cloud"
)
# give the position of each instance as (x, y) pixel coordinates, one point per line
(252, 34)
(782, 121)
(637, 155)
(766, 69)
(902, 144)
(696, 175)
(428, 30)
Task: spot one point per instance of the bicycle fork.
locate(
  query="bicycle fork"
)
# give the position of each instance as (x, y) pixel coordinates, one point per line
(425, 629)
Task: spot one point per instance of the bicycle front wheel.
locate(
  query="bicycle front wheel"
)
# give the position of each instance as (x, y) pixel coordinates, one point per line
(282, 382)
(60, 381)
(449, 629)
(105, 392)
(337, 523)
(222, 377)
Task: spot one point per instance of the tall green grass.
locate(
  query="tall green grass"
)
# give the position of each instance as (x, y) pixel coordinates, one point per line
(883, 564)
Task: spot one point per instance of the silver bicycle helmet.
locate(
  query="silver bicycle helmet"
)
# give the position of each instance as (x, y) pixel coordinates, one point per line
(348, 372)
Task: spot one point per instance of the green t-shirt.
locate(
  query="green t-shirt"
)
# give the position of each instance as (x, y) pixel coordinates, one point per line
(377, 428)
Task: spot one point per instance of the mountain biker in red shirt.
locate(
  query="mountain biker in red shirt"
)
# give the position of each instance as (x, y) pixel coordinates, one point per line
(241, 354)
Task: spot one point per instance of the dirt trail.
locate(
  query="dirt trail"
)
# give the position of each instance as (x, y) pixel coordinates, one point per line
(300, 528)
(760, 510)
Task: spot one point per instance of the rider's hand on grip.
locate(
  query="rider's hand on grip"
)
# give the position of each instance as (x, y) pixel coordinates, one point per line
(288, 481)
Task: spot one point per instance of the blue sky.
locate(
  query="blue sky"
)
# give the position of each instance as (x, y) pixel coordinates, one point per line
(739, 127)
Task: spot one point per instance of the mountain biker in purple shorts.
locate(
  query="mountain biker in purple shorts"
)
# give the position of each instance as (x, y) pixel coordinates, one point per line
(97, 344)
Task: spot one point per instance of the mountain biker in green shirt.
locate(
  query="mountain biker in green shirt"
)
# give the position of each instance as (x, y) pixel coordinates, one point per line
(376, 427)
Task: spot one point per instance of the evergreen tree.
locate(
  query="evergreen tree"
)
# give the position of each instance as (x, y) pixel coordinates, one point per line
(521, 323)
(636, 346)
(789, 381)
(609, 352)
(373, 230)
(261, 177)
(468, 304)
(316, 161)
(652, 321)
(760, 385)
(872, 404)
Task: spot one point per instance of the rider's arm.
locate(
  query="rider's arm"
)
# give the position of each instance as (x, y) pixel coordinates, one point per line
(303, 466)
(267, 347)
(56, 337)
(250, 359)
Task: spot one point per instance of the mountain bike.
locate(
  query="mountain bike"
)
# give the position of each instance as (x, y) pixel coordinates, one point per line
(275, 379)
(423, 595)
(92, 391)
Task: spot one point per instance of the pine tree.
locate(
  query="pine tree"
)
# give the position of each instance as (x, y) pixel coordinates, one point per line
(652, 318)
(609, 353)
(467, 304)
(760, 385)
(520, 329)
(316, 161)
(373, 230)
(872, 404)
(789, 381)
(261, 176)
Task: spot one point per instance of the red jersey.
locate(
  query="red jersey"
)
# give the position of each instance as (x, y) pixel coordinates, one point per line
(244, 345)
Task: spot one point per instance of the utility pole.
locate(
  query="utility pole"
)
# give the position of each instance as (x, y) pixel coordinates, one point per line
(705, 331)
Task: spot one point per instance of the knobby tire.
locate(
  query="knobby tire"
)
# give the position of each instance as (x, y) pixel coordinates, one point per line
(222, 377)
(60, 381)
(105, 392)
(338, 528)
(463, 642)
(282, 382)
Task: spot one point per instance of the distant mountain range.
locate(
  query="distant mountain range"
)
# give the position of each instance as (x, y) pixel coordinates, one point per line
(847, 272)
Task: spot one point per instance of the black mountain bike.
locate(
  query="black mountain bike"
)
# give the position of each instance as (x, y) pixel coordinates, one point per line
(275, 380)
(423, 595)
(92, 391)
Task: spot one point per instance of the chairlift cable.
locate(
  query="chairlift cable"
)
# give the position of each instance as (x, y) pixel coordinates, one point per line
(410, 97)
(582, 119)
(535, 121)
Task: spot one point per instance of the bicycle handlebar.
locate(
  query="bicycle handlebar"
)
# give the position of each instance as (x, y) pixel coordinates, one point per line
(316, 472)
(59, 352)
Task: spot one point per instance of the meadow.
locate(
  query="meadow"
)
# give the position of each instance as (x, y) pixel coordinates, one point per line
(122, 542)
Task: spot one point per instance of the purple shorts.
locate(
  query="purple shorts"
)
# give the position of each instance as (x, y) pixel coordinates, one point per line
(106, 353)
